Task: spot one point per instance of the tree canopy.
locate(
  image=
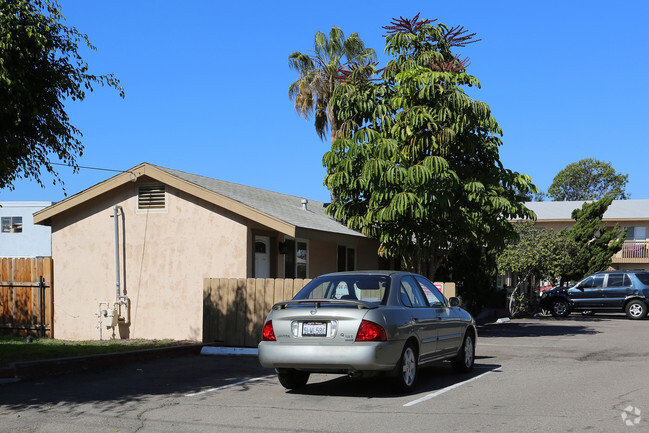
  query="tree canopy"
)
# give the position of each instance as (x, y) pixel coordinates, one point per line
(416, 162)
(535, 252)
(40, 68)
(317, 72)
(588, 179)
(595, 245)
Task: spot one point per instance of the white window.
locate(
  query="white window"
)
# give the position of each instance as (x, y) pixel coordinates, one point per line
(637, 233)
(12, 224)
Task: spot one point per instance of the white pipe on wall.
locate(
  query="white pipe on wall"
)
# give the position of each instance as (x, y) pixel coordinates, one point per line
(116, 210)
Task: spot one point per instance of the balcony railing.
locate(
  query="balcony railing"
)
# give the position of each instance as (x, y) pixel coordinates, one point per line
(634, 250)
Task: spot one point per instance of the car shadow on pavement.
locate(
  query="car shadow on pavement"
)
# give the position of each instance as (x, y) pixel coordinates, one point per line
(115, 388)
(545, 327)
(430, 379)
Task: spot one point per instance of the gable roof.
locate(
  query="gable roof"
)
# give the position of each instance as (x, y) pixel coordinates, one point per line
(562, 210)
(282, 212)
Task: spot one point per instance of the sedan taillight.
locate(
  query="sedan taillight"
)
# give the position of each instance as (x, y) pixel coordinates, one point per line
(268, 334)
(370, 331)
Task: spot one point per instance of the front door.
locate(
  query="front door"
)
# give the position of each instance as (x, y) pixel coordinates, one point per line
(588, 293)
(262, 257)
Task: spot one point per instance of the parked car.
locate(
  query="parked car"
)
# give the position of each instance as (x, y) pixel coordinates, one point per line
(625, 291)
(366, 323)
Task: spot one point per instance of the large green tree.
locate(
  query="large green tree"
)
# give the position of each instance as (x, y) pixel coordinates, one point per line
(588, 179)
(416, 162)
(317, 71)
(595, 244)
(40, 69)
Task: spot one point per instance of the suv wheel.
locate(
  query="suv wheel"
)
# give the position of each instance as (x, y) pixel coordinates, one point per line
(560, 308)
(636, 310)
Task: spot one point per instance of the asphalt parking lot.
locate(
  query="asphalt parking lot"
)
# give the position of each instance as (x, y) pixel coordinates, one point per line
(579, 374)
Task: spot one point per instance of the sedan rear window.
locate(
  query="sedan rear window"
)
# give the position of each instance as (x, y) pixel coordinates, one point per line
(367, 288)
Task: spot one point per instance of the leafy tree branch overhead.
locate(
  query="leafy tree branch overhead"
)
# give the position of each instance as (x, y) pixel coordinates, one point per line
(40, 69)
(415, 163)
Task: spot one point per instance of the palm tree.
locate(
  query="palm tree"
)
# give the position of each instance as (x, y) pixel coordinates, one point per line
(317, 76)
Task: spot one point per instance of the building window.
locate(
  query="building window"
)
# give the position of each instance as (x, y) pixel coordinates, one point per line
(12, 224)
(346, 258)
(260, 247)
(637, 233)
(151, 198)
(296, 259)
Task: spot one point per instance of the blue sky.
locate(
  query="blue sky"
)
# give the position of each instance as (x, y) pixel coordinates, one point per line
(207, 86)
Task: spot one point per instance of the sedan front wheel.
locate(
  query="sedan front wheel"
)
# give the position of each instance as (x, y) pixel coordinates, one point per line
(463, 362)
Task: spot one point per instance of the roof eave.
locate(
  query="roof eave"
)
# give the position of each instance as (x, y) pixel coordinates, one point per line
(44, 216)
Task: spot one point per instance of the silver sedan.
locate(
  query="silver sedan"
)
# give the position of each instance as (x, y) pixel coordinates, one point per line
(365, 323)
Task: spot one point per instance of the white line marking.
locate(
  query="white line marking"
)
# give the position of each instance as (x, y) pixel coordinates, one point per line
(243, 382)
(443, 390)
(538, 346)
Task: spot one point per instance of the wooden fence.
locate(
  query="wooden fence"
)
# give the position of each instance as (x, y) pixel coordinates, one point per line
(26, 296)
(234, 309)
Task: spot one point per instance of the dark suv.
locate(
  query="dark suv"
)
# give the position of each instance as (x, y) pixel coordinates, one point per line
(623, 290)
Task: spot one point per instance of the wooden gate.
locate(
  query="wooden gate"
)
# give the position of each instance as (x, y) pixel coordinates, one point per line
(26, 296)
(234, 309)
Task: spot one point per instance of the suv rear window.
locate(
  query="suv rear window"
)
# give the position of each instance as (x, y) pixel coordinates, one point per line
(643, 277)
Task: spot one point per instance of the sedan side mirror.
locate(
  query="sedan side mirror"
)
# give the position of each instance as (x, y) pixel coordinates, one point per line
(455, 302)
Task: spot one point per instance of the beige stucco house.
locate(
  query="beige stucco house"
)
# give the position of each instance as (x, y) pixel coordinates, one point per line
(151, 235)
(630, 214)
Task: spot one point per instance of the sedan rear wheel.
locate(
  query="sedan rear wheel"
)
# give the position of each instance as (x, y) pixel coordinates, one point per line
(465, 358)
(404, 382)
(560, 308)
(636, 310)
(292, 379)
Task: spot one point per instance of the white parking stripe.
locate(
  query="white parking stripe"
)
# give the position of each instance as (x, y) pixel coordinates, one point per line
(443, 390)
(243, 382)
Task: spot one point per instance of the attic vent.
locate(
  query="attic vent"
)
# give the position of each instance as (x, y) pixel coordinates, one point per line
(151, 197)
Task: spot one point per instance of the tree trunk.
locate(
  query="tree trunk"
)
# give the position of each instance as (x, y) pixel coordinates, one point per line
(333, 134)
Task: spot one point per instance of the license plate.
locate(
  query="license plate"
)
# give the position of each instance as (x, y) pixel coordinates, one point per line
(314, 329)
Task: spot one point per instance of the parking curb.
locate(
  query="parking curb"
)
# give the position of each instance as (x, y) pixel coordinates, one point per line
(34, 369)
